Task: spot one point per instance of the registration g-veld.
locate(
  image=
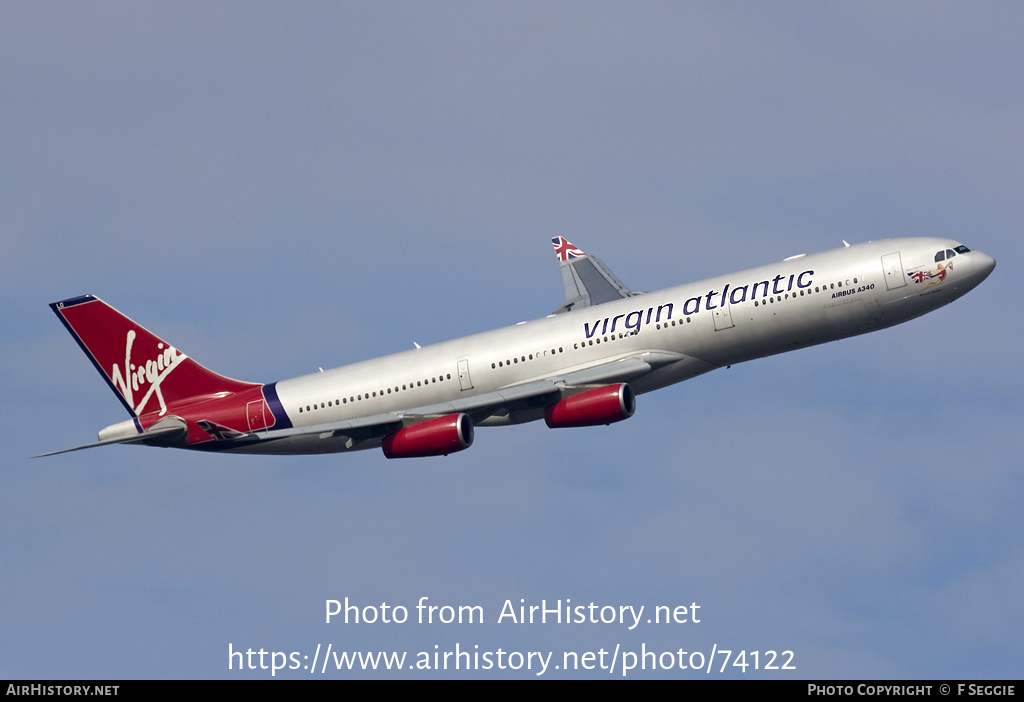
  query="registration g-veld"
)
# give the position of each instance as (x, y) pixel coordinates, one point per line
(583, 365)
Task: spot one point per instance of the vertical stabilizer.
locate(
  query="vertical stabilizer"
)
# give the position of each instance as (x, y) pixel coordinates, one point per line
(147, 374)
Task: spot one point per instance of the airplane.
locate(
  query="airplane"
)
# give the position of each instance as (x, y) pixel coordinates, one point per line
(582, 365)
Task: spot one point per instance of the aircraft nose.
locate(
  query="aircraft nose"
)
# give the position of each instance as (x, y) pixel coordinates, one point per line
(983, 265)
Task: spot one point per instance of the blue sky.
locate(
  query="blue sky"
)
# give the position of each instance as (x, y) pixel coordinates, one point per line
(278, 187)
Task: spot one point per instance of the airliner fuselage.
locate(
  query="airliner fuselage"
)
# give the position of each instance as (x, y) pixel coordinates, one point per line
(632, 344)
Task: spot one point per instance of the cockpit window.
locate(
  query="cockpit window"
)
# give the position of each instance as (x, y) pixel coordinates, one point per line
(950, 253)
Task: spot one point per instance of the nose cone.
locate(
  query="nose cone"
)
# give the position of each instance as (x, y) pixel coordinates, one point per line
(979, 266)
(983, 265)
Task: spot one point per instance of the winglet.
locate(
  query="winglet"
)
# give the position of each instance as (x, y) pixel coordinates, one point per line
(586, 279)
(565, 250)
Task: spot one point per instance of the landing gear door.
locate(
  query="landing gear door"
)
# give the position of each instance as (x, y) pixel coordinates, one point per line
(892, 268)
(465, 382)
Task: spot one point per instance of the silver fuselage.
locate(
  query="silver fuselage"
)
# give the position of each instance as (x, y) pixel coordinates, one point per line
(799, 302)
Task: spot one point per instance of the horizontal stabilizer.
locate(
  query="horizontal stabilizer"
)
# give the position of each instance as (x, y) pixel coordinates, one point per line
(167, 435)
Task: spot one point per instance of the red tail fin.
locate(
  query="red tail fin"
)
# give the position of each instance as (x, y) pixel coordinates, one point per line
(146, 373)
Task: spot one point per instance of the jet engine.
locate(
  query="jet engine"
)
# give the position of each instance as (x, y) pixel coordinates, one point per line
(605, 405)
(433, 437)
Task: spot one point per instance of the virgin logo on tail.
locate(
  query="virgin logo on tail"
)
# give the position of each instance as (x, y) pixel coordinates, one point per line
(137, 376)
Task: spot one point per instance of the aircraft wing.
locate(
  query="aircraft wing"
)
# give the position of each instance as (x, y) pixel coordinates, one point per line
(587, 280)
(479, 407)
(530, 395)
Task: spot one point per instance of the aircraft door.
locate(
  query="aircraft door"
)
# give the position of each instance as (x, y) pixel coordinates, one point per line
(723, 317)
(892, 268)
(256, 417)
(465, 382)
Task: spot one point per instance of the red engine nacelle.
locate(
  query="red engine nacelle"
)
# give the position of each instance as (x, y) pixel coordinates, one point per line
(612, 403)
(433, 437)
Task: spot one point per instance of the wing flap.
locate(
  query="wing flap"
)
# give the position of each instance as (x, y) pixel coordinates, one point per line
(376, 425)
(615, 372)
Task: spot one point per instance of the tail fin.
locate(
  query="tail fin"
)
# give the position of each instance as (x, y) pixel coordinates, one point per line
(147, 374)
